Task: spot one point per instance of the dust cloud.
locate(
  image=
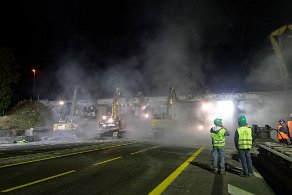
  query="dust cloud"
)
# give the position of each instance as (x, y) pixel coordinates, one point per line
(175, 51)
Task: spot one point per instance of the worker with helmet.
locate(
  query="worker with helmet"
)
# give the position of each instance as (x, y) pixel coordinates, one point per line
(243, 140)
(282, 132)
(289, 124)
(218, 133)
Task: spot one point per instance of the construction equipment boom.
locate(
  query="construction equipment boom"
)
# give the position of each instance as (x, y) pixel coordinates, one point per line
(275, 37)
(74, 103)
(112, 125)
(163, 124)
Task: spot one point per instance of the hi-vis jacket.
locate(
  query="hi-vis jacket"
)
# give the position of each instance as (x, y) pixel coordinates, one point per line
(218, 136)
(289, 124)
(243, 138)
(281, 132)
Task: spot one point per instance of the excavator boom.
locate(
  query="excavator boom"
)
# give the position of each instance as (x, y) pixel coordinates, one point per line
(115, 104)
(74, 103)
(171, 99)
(279, 58)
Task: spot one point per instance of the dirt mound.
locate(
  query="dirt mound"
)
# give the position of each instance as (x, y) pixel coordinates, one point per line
(25, 115)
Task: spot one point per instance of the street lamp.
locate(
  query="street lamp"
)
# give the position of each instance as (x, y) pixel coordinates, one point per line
(33, 70)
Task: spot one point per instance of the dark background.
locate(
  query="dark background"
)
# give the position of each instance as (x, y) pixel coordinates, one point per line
(214, 46)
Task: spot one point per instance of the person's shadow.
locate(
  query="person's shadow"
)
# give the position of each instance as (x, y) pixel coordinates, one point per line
(228, 167)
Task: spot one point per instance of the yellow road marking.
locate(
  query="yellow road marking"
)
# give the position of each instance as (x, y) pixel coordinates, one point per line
(144, 150)
(108, 160)
(62, 174)
(38, 181)
(70, 154)
(163, 185)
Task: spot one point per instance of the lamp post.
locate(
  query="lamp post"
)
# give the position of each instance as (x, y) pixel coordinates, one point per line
(33, 97)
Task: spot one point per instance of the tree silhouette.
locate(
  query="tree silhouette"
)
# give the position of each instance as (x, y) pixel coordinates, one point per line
(9, 76)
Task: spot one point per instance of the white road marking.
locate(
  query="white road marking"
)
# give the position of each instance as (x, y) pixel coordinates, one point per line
(256, 174)
(237, 191)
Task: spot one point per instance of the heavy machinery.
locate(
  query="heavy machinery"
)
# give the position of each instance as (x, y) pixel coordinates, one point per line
(275, 38)
(163, 123)
(111, 125)
(66, 126)
(274, 158)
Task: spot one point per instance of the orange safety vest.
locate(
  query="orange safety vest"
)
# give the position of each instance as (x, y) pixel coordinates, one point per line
(289, 123)
(281, 135)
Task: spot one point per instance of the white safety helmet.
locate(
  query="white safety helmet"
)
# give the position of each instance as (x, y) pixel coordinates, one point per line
(291, 115)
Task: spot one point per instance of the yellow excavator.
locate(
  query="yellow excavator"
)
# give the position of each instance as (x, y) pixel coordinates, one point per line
(163, 123)
(68, 127)
(112, 125)
(275, 38)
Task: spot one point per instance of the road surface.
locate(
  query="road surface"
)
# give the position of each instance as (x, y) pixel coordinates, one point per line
(120, 167)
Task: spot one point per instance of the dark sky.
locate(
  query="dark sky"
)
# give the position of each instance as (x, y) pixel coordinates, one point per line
(214, 45)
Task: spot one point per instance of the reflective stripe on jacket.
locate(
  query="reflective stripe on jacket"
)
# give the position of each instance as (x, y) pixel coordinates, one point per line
(218, 139)
(244, 137)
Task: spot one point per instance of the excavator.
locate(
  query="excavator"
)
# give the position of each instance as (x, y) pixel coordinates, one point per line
(275, 38)
(111, 125)
(68, 127)
(165, 122)
(273, 156)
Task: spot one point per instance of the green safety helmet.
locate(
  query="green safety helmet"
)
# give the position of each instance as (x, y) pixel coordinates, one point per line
(242, 120)
(218, 121)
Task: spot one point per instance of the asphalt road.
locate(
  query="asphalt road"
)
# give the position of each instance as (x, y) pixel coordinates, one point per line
(121, 167)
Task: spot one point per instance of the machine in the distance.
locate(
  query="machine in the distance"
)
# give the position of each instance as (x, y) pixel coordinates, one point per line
(161, 123)
(111, 125)
(68, 127)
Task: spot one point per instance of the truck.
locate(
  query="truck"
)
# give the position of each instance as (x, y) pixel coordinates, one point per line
(111, 125)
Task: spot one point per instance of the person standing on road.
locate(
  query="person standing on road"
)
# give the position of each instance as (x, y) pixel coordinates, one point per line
(243, 140)
(218, 133)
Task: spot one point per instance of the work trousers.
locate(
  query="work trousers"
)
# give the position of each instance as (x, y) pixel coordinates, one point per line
(218, 154)
(245, 159)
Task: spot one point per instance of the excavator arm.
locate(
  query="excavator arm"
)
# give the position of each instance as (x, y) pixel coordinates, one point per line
(115, 104)
(172, 98)
(74, 103)
(279, 58)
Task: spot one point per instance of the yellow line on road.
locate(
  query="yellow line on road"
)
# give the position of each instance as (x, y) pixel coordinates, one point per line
(144, 150)
(60, 156)
(108, 160)
(38, 181)
(163, 185)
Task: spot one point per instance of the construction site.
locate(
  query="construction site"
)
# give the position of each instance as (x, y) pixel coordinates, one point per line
(40, 132)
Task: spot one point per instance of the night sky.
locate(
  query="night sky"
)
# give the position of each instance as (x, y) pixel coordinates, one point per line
(201, 46)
